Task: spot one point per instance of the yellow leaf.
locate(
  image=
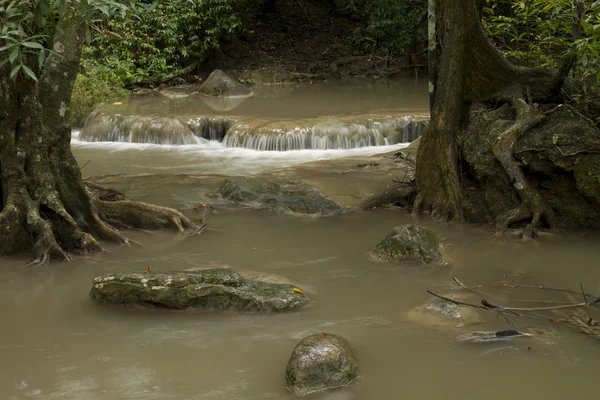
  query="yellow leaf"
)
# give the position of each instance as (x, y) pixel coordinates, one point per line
(149, 269)
(298, 290)
(117, 103)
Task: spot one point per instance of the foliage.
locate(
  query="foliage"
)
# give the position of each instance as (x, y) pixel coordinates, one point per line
(391, 26)
(174, 34)
(540, 33)
(27, 28)
(98, 86)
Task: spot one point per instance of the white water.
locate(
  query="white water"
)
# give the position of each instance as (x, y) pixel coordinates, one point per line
(206, 157)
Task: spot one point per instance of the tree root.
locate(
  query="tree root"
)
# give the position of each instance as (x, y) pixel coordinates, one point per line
(533, 205)
(143, 215)
(401, 195)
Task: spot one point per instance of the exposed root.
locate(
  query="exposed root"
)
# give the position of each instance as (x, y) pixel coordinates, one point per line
(399, 195)
(533, 205)
(143, 215)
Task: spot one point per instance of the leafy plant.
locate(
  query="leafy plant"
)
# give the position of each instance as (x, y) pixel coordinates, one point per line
(539, 33)
(391, 26)
(173, 34)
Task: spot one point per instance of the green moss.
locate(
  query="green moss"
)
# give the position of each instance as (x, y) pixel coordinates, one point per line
(91, 90)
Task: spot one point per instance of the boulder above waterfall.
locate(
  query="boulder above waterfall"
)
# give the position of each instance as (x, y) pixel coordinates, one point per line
(219, 83)
(208, 289)
(297, 197)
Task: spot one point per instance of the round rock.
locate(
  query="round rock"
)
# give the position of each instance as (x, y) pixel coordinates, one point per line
(321, 361)
(410, 243)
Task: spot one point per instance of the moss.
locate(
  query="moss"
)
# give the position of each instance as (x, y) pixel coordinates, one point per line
(90, 91)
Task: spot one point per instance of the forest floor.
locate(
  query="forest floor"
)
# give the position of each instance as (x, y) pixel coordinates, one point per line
(308, 38)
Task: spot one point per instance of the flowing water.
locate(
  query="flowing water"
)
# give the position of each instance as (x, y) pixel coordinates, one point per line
(55, 343)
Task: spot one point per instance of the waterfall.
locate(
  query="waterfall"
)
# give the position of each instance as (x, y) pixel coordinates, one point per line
(102, 127)
(346, 133)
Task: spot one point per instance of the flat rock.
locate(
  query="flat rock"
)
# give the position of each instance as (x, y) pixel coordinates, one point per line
(207, 289)
(297, 197)
(410, 243)
(321, 361)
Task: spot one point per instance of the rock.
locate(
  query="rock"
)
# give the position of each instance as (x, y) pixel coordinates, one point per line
(321, 361)
(410, 243)
(220, 84)
(209, 289)
(438, 313)
(297, 197)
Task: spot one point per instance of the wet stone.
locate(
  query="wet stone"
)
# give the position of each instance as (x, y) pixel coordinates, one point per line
(208, 289)
(410, 243)
(319, 362)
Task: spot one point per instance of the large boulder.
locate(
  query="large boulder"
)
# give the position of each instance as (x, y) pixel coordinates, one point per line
(219, 83)
(410, 243)
(321, 361)
(297, 197)
(209, 289)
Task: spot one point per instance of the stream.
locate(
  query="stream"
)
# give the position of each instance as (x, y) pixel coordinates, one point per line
(55, 343)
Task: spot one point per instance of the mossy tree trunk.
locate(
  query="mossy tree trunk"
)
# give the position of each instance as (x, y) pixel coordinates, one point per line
(45, 207)
(471, 70)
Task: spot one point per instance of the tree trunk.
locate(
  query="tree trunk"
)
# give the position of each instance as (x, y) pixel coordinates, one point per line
(470, 70)
(44, 205)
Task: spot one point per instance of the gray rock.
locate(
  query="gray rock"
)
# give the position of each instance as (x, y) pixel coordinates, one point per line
(410, 243)
(296, 197)
(321, 361)
(219, 83)
(209, 289)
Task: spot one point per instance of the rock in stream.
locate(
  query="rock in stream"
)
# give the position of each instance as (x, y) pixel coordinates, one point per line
(297, 197)
(410, 243)
(209, 289)
(321, 361)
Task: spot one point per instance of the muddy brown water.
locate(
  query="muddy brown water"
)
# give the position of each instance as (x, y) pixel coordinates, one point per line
(55, 343)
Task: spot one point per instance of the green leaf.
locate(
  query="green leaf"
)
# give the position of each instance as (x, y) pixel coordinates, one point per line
(8, 46)
(30, 73)
(14, 72)
(33, 45)
(13, 55)
(42, 58)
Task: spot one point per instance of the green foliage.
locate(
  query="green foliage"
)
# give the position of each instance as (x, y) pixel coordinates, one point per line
(26, 27)
(540, 33)
(391, 26)
(99, 86)
(175, 33)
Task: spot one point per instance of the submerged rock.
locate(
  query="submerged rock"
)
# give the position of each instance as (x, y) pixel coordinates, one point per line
(443, 314)
(297, 197)
(209, 289)
(220, 84)
(410, 243)
(321, 361)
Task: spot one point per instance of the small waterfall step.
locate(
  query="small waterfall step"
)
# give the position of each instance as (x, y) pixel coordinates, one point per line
(323, 133)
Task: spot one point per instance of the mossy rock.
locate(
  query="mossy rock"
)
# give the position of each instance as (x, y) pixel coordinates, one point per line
(410, 243)
(207, 289)
(319, 362)
(297, 197)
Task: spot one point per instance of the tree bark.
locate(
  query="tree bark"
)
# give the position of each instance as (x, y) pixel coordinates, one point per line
(45, 206)
(470, 70)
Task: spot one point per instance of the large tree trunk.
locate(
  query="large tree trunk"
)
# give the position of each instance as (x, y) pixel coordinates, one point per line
(44, 205)
(470, 70)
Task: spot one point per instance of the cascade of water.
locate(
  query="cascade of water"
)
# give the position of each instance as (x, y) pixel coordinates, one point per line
(258, 134)
(102, 127)
(331, 134)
